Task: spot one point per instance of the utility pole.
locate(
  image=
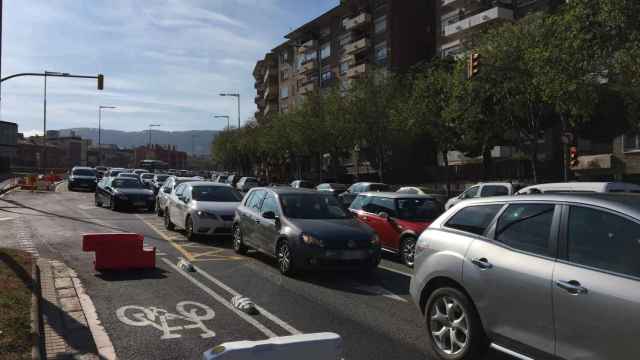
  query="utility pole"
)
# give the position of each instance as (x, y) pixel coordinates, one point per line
(236, 95)
(223, 116)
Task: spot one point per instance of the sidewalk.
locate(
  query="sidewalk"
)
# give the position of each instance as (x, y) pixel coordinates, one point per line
(69, 321)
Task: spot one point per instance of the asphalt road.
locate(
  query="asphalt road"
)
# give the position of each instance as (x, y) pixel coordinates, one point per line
(169, 313)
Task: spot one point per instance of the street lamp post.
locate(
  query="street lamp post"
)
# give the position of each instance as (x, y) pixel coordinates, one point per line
(236, 95)
(193, 136)
(224, 116)
(151, 126)
(100, 130)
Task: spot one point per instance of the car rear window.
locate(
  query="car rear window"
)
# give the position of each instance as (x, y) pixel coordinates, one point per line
(84, 172)
(474, 219)
(493, 190)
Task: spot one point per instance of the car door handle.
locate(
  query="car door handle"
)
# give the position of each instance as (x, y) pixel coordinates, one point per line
(572, 287)
(482, 263)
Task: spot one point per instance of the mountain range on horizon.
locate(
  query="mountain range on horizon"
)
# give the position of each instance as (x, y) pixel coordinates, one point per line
(197, 140)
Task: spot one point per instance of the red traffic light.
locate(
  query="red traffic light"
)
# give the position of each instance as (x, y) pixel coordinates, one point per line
(100, 82)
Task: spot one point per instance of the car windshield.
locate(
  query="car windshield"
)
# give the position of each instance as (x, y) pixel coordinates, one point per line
(147, 176)
(84, 172)
(215, 193)
(162, 178)
(378, 187)
(338, 187)
(125, 183)
(312, 206)
(419, 209)
(128, 175)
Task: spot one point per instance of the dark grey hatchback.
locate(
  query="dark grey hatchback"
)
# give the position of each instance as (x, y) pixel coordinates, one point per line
(303, 229)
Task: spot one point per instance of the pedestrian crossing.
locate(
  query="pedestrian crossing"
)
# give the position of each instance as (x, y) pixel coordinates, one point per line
(24, 237)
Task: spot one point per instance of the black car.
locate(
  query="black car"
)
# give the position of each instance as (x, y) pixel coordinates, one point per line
(303, 229)
(348, 196)
(147, 180)
(82, 178)
(123, 192)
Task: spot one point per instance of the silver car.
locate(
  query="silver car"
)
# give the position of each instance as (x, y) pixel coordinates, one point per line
(535, 276)
(165, 192)
(202, 208)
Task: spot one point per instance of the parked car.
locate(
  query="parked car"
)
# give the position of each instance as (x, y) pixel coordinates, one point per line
(202, 208)
(82, 177)
(221, 179)
(233, 180)
(333, 188)
(139, 171)
(304, 184)
(442, 198)
(246, 183)
(100, 171)
(184, 173)
(130, 175)
(398, 219)
(600, 187)
(303, 229)
(481, 190)
(113, 172)
(123, 192)
(158, 181)
(166, 190)
(348, 196)
(147, 179)
(538, 275)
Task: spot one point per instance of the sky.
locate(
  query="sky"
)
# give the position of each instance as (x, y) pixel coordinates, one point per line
(164, 61)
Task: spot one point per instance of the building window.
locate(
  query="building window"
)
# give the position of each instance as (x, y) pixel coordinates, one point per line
(452, 51)
(344, 39)
(343, 68)
(284, 92)
(630, 142)
(284, 74)
(381, 51)
(325, 50)
(327, 75)
(284, 56)
(380, 24)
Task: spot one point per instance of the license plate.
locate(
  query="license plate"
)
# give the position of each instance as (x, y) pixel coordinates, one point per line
(346, 254)
(139, 203)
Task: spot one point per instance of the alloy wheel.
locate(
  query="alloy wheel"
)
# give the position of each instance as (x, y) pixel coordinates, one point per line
(449, 325)
(189, 229)
(284, 258)
(408, 251)
(237, 239)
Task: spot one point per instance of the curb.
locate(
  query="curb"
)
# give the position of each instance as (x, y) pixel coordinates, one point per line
(36, 316)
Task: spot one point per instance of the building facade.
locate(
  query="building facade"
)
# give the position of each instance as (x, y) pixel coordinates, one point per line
(8, 144)
(174, 158)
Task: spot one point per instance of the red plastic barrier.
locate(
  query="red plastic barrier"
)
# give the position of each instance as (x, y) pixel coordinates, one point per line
(118, 251)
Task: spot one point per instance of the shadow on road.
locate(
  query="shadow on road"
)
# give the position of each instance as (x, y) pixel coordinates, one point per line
(131, 275)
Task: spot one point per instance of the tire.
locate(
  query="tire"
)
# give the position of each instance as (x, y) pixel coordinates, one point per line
(113, 204)
(408, 250)
(238, 245)
(167, 221)
(452, 304)
(188, 229)
(285, 258)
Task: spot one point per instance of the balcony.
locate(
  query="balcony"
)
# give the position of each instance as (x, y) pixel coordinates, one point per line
(259, 101)
(453, 4)
(357, 46)
(307, 66)
(349, 60)
(271, 93)
(356, 22)
(271, 108)
(307, 88)
(485, 17)
(357, 71)
(270, 75)
(311, 44)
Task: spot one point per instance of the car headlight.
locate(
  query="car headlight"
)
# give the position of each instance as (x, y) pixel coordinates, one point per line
(375, 240)
(310, 240)
(208, 215)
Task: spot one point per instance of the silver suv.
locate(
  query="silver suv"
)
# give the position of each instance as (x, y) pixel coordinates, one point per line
(536, 276)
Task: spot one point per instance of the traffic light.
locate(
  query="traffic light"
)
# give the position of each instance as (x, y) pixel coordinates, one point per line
(573, 155)
(474, 65)
(100, 82)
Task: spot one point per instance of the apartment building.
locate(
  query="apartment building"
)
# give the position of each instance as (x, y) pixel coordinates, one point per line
(265, 74)
(460, 20)
(347, 42)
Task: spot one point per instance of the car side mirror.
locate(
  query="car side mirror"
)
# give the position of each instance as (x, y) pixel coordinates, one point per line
(269, 215)
(384, 215)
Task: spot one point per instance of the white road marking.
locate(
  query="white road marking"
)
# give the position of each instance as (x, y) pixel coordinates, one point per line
(395, 271)
(6, 218)
(264, 312)
(87, 207)
(222, 301)
(190, 312)
(379, 290)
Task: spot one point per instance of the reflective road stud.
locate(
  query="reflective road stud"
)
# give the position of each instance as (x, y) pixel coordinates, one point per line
(318, 346)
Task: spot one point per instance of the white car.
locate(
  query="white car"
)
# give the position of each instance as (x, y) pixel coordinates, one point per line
(599, 187)
(202, 208)
(165, 192)
(484, 190)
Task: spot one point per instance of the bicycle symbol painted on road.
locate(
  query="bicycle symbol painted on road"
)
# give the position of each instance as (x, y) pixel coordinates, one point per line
(190, 315)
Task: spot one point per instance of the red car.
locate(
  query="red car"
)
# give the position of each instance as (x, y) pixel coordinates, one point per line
(398, 219)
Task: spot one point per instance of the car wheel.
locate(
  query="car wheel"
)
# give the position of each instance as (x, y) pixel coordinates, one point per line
(408, 250)
(455, 330)
(285, 258)
(188, 228)
(113, 205)
(167, 221)
(238, 245)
